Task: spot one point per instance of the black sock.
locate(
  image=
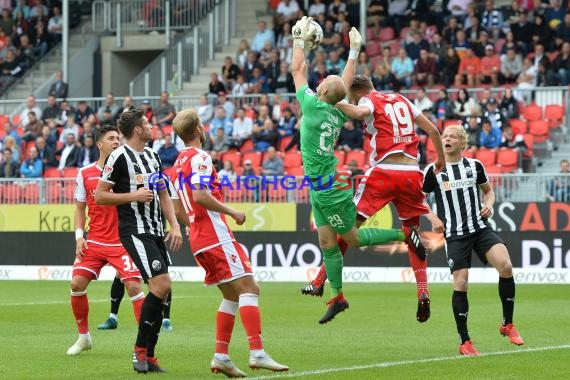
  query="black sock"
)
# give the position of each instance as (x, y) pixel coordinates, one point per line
(153, 338)
(507, 295)
(166, 306)
(460, 305)
(151, 318)
(117, 293)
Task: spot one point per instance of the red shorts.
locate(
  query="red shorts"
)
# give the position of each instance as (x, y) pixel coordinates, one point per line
(224, 263)
(391, 183)
(97, 256)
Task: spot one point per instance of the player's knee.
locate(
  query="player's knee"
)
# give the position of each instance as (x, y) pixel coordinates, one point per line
(133, 287)
(326, 243)
(505, 269)
(78, 285)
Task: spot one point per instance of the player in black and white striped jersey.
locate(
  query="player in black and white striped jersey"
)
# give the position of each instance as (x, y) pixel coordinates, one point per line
(132, 180)
(462, 214)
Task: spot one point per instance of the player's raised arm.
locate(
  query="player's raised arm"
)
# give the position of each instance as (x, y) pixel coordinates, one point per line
(300, 33)
(350, 67)
(428, 127)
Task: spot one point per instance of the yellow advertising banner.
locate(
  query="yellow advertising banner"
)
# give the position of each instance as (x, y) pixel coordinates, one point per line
(60, 218)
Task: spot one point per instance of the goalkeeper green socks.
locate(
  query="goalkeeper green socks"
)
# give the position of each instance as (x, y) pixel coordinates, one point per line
(333, 264)
(376, 236)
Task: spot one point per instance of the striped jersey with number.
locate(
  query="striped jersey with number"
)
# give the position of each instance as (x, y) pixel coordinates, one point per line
(128, 170)
(457, 196)
(391, 125)
(194, 170)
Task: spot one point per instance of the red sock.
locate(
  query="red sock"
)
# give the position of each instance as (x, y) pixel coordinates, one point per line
(322, 275)
(225, 325)
(137, 305)
(80, 307)
(249, 312)
(419, 266)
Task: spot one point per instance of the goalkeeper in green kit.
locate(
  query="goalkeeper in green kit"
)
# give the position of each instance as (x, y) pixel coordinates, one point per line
(333, 208)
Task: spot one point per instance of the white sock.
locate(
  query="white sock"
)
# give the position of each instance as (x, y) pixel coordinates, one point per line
(222, 357)
(113, 316)
(85, 336)
(257, 353)
(165, 319)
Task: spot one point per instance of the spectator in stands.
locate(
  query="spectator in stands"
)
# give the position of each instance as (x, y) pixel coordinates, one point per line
(30, 107)
(83, 112)
(263, 34)
(45, 153)
(218, 165)
(287, 123)
(248, 169)
(469, 69)
(509, 106)
(513, 140)
(362, 64)
(215, 86)
(21, 26)
(70, 128)
(336, 45)
(11, 69)
(273, 165)
(40, 40)
(220, 120)
(450, 67)
(490, 137)
(414, 47)
(10, 131)
(8, 168)
(493, 114)
(272, 69)
(377, 14)
(443, 108)
(438, 50)
(490, 67)
(26, 52)
(473, 130)
(168, 152)
(55, 24)
(227, 171)
(426, 69)
(522, 30)
(541, 33)
(147, 109)
(7, 22)
(88, 131)
(555, 14)
(563, 31)
(88, 153)
(33, 129)
(230, 72)
(402, 68)
(242, 53)
(335, 64)
(287, 11)
(350, 138)
(69, 153)
(316, 8)
(165, 112)
(205, 110)
(229, 106)
(107, 118)
(221, 142)
(52, 109)
(241, 87)
(36, 12)
(158, 141)
(264, 56)
(265, 135)
(109, 104)
(258, 84)
(474, 29)
(511, 67)
(559, 188)
(492, 19)
(561, 64)
(250, 65)
(422, 102)
(242, 129)
(10, 143)
(51, 135)
(526, 82)
(545, 75)
(283, 82)
(464, 105)
(22, 6)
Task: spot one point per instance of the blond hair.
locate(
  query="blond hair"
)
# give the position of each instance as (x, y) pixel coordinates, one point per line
(461, 134)
(186, 124)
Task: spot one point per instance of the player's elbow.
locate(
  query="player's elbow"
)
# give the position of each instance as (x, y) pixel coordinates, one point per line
(100, 198)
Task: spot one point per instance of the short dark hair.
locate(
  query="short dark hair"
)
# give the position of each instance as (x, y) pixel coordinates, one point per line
(361, 82)
(129, 120)
(104, 130)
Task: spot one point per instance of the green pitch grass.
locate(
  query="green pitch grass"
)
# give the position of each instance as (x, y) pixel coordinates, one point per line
(378, 337)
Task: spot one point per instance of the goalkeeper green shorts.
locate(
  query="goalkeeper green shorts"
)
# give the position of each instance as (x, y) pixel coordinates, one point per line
(334, 207)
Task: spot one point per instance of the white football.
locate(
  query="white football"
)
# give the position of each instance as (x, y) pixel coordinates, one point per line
(317, 32)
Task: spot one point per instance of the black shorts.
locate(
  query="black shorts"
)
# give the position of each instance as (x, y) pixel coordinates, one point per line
(459, 251)
(149, 253)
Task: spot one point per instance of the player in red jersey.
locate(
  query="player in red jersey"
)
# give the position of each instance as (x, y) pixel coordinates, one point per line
(102, 246)
(227, 266)
(394, 175)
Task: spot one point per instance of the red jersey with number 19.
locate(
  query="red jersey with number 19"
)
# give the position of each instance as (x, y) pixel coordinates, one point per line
(208, 228)
(391, 125)
(103, 220)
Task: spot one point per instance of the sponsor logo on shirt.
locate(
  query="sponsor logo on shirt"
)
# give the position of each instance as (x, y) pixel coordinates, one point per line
(202, 168)
(107, 169)
(457, 184)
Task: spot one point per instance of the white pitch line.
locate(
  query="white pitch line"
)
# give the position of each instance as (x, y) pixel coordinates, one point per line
(404, 362)
(90, 301)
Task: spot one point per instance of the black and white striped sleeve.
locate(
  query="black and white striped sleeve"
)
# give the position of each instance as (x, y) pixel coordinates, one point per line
(481, 173)
(430, 182)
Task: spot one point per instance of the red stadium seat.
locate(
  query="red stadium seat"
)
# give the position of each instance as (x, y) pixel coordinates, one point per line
(12, 193)
(373, 49)
(554, 114)
(233, 194)
(52, 173)
(70, 172)
(394, 48)
(519, 126)
(508, 159)
(499, 45)
(358, 155)
(277, 194)
(340, 156)
(254, 157)
(529, 142)
(167, 129)
(468, 154)
(285, 141)
(32, 193)
(292, 160)
(386, 34)
(247, 146)
(53, 191)
(404, 32)
(486, 156)
(532, 112)
(69, 192)
(450, 122)
(540, 130)
(494, 171)
(234, 156)
(431, 153)
(296, 171)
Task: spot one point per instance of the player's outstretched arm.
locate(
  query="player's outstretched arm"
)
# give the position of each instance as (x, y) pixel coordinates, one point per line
(104, 196)
(350, 68)
(206, 200)
(352, 111)
(428, 127)
(300, 33)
